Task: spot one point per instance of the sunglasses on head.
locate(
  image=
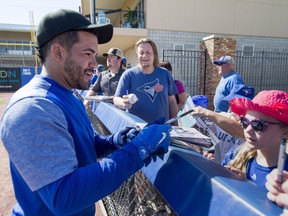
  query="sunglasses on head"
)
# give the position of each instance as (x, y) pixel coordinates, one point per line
(257, 124)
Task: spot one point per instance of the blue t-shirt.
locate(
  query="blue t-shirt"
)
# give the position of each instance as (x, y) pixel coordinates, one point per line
(254, 172)
(152, 90)
(53, 151)
(223, 89)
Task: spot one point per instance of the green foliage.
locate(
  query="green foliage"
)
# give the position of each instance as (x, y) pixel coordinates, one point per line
(131, 16)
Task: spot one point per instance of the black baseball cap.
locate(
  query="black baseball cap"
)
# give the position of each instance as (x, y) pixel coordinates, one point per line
(63, 20)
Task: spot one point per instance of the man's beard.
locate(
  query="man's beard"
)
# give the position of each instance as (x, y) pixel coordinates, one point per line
(145, 64)
(75, 75)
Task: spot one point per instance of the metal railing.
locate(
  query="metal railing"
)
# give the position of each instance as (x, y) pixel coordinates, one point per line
(185, 65)
(17, 53)
(117, 17)
(262, 70)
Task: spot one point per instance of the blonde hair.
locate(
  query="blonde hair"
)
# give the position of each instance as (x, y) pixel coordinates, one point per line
(242, 157)
(154, 48)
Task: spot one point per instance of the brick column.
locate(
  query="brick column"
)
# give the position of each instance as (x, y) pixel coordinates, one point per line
(213, 48)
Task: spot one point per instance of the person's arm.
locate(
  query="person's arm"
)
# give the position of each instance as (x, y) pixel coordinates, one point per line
(173, 109)
(95, 89)
(277, 192)
(86, 185)
(231, 126)
(182, 99)
(122, 103)
(181, 94)
(120, 99)
(48, 162)
(86, 103)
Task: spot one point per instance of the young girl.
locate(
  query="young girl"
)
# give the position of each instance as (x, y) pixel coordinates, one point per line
(265, 123)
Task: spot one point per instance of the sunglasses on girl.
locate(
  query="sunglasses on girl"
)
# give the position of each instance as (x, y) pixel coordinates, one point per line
(257, 124)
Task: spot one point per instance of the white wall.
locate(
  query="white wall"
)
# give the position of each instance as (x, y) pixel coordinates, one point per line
(236, 17)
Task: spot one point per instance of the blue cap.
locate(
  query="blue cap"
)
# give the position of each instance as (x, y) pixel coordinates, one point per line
(101, 68)
(223, 60)
(124, 60)
(241, 91)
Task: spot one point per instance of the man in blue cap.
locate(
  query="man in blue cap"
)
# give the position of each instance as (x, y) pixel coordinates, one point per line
(229, 79)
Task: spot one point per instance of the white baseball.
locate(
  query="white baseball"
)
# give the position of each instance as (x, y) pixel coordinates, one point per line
(132, 98)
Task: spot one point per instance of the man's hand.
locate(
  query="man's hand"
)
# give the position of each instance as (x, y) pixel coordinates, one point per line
(86, 104)
(153, 140)
(125, 135)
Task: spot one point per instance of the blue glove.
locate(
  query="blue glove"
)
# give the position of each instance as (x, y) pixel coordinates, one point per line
(161, 120)
(125, 135)
(153, 140)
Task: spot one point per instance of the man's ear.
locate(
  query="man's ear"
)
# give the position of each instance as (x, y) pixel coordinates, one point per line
(57, 51)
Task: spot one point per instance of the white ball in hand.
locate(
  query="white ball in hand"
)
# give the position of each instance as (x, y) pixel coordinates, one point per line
(132, 98)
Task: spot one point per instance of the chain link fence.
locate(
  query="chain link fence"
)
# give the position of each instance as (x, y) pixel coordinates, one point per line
(136, 196)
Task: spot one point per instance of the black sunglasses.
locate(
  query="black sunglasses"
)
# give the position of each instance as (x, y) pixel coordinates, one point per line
(257, 124)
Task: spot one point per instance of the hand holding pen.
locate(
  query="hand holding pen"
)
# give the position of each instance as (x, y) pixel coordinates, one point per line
(178, 117)
(281, 159)
(160, 121)
(127, 98)
(281, 165)
(278, 192)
